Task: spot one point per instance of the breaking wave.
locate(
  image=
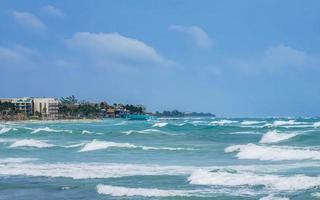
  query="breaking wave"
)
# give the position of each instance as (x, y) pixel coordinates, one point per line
(4, 130)
(31, 143)
(86, 132)
(160, 124)
(91, 170)
(124, 191)
(98, 145)
(272, 182)
(47, 129)
(274, 136)
(316, 125)
(273, 153)
(252, 122)
(222, 122)
(273, 197)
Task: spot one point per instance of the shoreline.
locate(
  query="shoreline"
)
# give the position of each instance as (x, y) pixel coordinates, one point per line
(50, 121)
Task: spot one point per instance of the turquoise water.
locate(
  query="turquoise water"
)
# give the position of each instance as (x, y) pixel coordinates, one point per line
(185, 158)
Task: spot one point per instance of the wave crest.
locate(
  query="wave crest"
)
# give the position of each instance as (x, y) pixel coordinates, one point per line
(31, 143)
(47, 129)
(273, 153)
(274, 136)
(273, 182)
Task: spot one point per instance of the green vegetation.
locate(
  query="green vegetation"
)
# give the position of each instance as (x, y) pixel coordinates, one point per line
(70, 107)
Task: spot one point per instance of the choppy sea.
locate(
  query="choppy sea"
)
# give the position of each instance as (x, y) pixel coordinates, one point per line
(176, 158)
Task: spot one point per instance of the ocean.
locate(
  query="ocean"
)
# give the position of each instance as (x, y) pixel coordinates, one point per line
(165, 158)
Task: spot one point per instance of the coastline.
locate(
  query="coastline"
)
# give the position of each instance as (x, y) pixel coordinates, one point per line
(51, 121)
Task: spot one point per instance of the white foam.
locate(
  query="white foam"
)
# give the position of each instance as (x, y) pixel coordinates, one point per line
(252, 122)
(316, 125)
(98, 145)
(274, 153)
(114, 170)
(128, 132)
(273, 197)
(90, 170)
(118, 191)
(47, 129)
(16, 160)
(316, 195)
(160, 124)
(222, 122)
(86, 132)
(121, 123)
(5, 130)
(290, 123)
(125, 191)
(274, 136)
(272, 182)
(30, 143)
(74, 145)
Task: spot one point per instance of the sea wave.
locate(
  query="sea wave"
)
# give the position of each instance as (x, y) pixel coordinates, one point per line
(47, 129)
(118, 191)
(5, 130)
(273, 197)
(121, 123)
(273, 153)
(150, 130)
(128, 132)
(81, 170)
(288, 123)
(274, 136)
(98, 145)
(160, 124)
(272, 182)
(16, 160)
(31, 143)
(252, 122)
(86, 132)
(125, 191)
(222, 122)
(90, 170)
(316, 125)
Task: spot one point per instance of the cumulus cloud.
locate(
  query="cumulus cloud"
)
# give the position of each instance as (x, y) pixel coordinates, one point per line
(197, 34)
(28, 20)
(54, 11)
(115, 49)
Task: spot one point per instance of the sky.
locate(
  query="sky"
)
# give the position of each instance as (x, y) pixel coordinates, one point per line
(232, 58)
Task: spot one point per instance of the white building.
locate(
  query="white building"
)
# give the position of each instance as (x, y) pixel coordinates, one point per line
(48, 107)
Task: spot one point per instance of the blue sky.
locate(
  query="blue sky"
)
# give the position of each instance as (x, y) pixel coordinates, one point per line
(232, 58)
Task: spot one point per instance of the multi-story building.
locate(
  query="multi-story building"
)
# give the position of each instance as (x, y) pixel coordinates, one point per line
(23, 105)
(47, 107)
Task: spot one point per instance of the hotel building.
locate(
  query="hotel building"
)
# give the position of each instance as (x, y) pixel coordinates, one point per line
(46, 107)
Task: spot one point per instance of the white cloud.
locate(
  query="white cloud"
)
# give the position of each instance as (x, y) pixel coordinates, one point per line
(115, 49)
(54, 11)
(16, 56)
(197, 34)
(28, 20)
(275, 58)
